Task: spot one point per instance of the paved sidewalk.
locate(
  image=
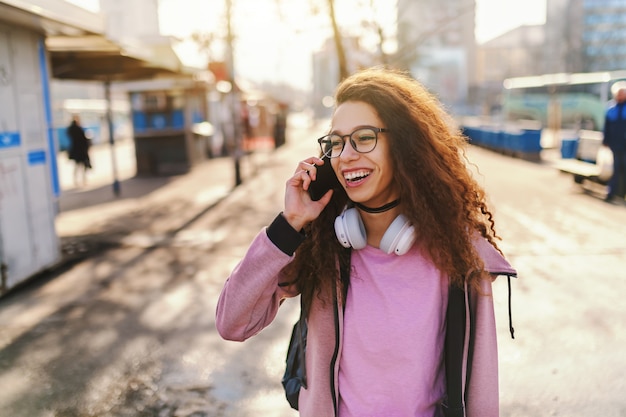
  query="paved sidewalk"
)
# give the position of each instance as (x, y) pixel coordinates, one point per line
(151, 210)
(124, 325)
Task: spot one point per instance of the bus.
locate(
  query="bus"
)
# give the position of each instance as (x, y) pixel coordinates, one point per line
(561, 101)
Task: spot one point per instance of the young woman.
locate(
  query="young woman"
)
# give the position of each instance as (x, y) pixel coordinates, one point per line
(418, 227)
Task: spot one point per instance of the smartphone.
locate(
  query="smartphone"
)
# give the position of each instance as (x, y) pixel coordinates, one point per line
(326, 180)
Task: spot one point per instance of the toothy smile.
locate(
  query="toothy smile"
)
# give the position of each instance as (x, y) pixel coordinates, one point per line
(355, 175)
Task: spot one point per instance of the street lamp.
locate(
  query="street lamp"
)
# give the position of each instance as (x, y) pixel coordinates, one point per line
(234, 95)
(109, 116)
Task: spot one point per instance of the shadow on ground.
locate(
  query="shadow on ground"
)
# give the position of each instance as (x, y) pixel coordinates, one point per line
(131, 188)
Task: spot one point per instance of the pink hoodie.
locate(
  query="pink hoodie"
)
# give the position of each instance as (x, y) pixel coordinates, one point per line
(251, 298)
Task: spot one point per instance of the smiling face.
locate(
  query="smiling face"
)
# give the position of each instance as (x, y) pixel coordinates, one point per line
(367, 177)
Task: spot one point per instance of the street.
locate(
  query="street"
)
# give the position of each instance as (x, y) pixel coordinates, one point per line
(569, 248)
(130, 330)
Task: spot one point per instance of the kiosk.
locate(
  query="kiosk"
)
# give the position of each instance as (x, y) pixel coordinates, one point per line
(165, 116)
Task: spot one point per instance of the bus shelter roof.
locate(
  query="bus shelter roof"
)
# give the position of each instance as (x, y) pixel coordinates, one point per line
(52, 17)
(95, 58)
(79, 49)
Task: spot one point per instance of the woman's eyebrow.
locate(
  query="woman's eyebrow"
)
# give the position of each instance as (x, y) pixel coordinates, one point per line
(354, 129)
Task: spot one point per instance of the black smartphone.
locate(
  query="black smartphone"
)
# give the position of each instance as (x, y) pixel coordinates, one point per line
(325, 180)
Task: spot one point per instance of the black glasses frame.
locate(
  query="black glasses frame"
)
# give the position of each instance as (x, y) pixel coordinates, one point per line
(376, 131)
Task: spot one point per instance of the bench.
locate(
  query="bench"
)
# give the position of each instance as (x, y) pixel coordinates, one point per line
(593, 162)
(580, 169)
(589, 142)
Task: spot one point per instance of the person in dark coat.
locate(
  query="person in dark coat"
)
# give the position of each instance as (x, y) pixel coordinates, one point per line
(280, 125)
(78, 149)
(615, 139)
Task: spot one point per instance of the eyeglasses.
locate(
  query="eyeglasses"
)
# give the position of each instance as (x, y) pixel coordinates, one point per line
(363, 140)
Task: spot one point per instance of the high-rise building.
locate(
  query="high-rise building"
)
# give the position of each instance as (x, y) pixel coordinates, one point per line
(585, 35)
(604, 35)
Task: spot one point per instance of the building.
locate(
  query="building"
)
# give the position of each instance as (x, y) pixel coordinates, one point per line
(585, 35)
(516, 53)
(326, 71)
(440, 49)
(604, 35)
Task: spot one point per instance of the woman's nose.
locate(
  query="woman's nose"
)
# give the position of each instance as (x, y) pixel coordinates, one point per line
(348, 150)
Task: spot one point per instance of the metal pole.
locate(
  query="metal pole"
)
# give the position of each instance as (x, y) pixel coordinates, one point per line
(3, 266)
(109, 116)
(234, 102)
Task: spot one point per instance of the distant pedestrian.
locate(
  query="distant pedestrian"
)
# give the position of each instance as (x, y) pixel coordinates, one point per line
(615, 139)
(280, 124)
(378, 260)
(79, 150)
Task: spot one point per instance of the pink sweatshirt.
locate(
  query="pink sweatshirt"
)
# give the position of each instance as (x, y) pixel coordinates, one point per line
(251, 297)
(392, 359)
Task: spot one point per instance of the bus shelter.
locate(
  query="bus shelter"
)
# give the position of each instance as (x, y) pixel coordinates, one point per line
(40, 40)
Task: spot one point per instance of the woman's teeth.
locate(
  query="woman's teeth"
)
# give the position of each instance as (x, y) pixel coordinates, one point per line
(355, 176)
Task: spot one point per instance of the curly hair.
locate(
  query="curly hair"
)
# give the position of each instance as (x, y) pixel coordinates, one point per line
(438, 193)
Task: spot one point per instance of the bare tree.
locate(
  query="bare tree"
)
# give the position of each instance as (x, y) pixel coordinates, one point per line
(214, 44)
(370, 25)
(341, 53)
(317, 7)
(410, 48)
(205, 42)
(209, 41)
(374, 25)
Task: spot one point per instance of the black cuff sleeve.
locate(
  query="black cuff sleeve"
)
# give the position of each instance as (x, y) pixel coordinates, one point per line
(285, 237)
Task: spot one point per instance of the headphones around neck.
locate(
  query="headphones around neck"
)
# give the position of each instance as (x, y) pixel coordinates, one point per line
(350, 231)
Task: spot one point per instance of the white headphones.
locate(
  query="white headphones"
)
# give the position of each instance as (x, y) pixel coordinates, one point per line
(350, 231)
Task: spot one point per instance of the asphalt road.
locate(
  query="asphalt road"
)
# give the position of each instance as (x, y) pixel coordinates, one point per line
(568, 358)
(130, 332)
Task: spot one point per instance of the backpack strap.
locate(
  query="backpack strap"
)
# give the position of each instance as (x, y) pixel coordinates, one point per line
(455, 341)
(344, 275)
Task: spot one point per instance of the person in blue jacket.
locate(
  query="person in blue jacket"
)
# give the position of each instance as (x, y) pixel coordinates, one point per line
(615, 140)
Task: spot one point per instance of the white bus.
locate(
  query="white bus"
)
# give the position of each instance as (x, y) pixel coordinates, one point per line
(561, 101)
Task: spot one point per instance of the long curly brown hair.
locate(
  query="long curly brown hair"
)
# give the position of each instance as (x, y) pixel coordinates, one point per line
(438, 193)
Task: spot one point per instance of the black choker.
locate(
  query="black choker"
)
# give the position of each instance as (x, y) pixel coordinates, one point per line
(380, 209)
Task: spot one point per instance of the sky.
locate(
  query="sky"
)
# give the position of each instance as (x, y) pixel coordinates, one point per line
(271, 49)
(494, 17)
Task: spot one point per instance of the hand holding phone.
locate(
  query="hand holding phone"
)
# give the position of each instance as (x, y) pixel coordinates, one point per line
(325, 180)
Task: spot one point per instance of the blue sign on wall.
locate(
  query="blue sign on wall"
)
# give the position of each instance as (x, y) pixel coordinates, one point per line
(37, 157)
(9, 139)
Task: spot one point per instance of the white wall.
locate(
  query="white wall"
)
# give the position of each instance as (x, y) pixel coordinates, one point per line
(28, 239)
